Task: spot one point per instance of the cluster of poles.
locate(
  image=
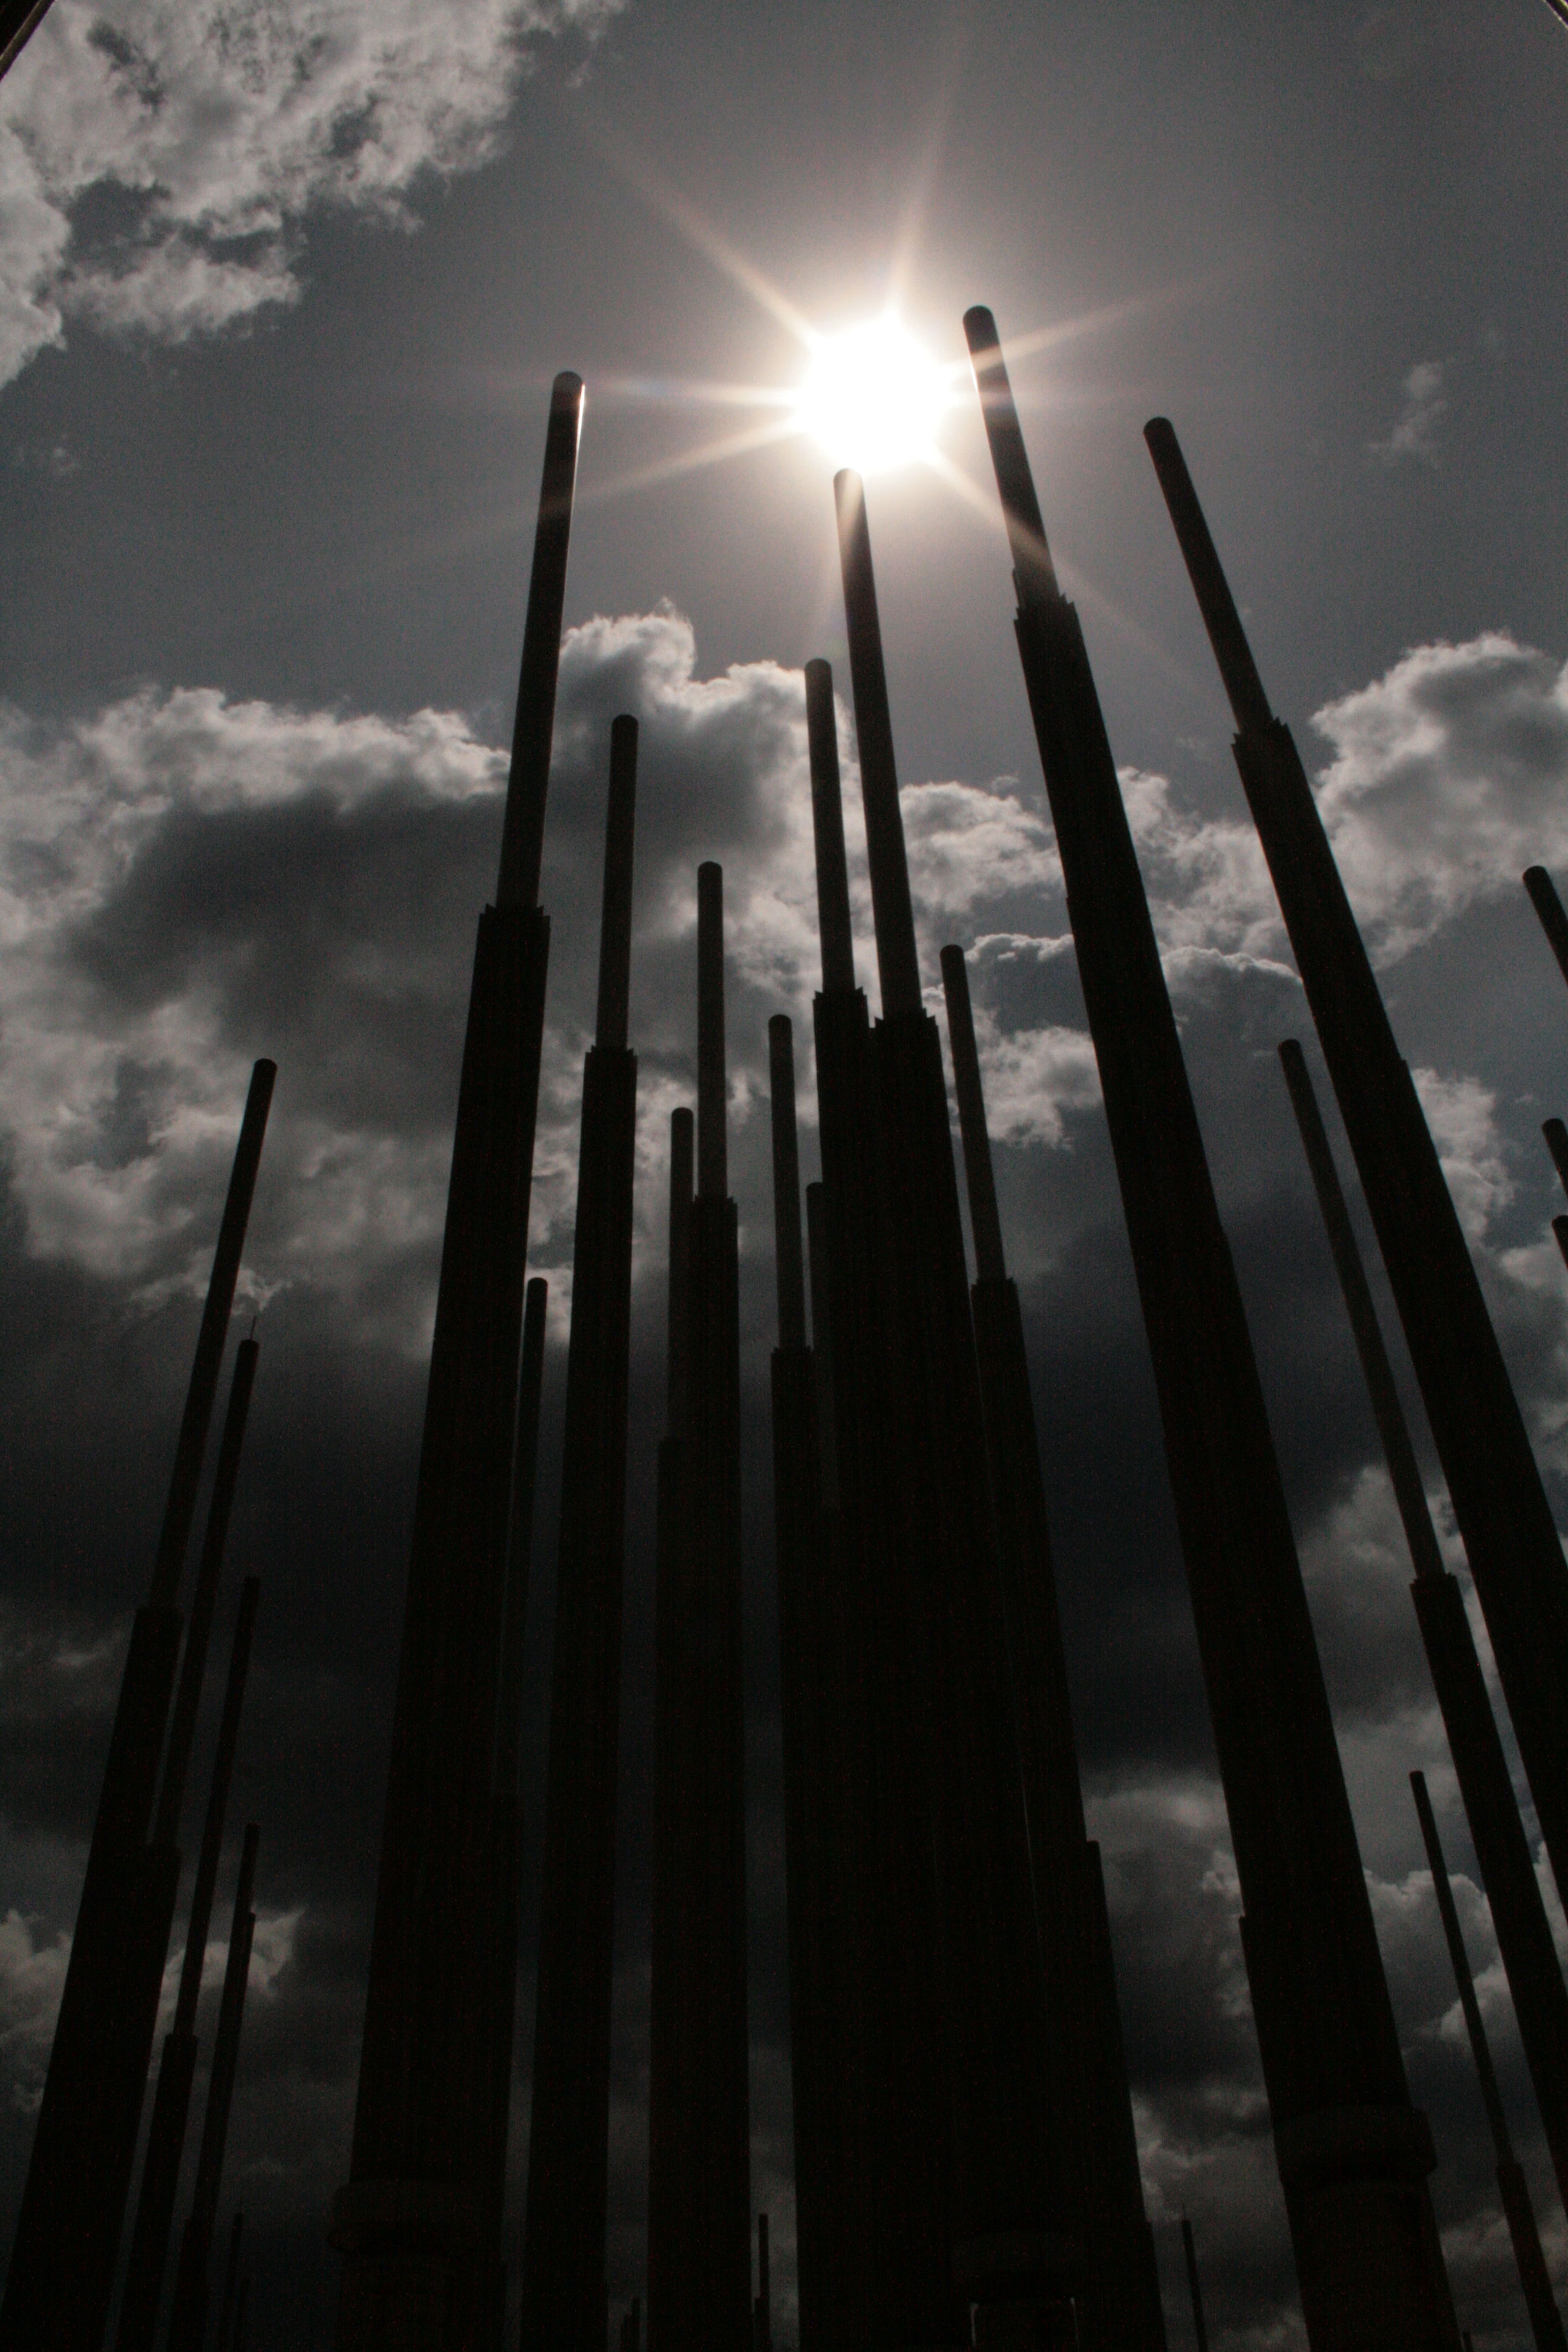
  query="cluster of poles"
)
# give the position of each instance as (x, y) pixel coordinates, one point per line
(966, 2166)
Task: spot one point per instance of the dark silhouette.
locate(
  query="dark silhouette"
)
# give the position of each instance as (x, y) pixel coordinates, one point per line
(419, 2222)
(1119, 2303)
(564, 2304)
(700, 2253)
(187, 2324)
(1500, 1503)
(176, 2069)
(73, 2203)
(1005, 2219)
(1546, 2324)
(1486, 1784)
(1543, 897)
(1353, 2154)
(228, 2305)
(1195, 2287)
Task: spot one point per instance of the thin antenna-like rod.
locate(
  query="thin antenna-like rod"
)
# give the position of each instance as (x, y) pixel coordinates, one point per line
(615, 921)
(1409, 1488)
(180, 1509)
(681, 1149)
(519, 1547)
(788, 1251)
(712, 1167)
(989, 1261)
(522, 831)
(898, 965)
(225, 2045)
(206, 1883)
(1195, 2287)
(192, 1666)
(832, 917)
(1543, 897)
(1491, 2098)
(1238, 669)
(1545, 2320)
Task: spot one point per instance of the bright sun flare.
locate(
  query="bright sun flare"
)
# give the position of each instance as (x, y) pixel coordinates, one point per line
(873, 398)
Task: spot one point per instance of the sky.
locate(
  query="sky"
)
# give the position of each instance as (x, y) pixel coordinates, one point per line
(283, 290)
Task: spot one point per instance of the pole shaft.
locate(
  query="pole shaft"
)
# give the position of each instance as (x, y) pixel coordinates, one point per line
(788, 1253)
(897, 962)
(615, 920)
(192, 1666)
(990, 1262)
(1404, 1474)
(192, 1444)
(712, 1170)
(832, 917)
(522, 829)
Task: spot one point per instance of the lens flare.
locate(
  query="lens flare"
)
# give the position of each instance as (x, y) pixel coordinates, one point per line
(873, 398)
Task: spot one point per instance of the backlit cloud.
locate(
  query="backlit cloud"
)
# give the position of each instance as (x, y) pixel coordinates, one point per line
(205, 134)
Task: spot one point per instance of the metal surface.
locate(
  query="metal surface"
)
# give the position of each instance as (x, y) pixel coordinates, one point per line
(1499, 1502)
(563, 2237)
(1352, 2152)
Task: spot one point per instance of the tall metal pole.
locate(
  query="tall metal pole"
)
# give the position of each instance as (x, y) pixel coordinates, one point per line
(187, 2324)
(1499, 1500)
(700, 2255)
(564, 2303)
(1486, 1783)
(506, 1798)
(417, 2222)
(882, 2272)
(1545, 2321)
(1120, 2303)
(1353, 2154)
(1013, 2201)
(1194, 2287)
(68, 2230)
(176, 2069)
(821, 1856)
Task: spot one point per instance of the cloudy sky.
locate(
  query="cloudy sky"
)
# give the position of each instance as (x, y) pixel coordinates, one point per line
(282, 288)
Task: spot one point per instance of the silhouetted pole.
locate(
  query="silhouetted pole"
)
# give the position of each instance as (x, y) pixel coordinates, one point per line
(1013, 2204)
(818, 1793)
(176, 2069)
(1500, 1503)
(564, 2305)
(631, 2326)
(1120, 2304)
(227, 2306)
(1543, 897)
(161, 1873)
(1545, 2322)
(1486, 1784)
(700, 2255)
(73, 2203)
(506, 1802)
(187, 2324)
(417, 2223)
(19, 20)
(1352, 2152)
(1194, 2287)
(880, 2272)
(764, 2315)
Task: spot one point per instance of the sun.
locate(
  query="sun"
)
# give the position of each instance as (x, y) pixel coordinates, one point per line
(873, 397)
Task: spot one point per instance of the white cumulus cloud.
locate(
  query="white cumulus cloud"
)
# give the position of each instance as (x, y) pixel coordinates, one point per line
(205, 131)
(1450, 776)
